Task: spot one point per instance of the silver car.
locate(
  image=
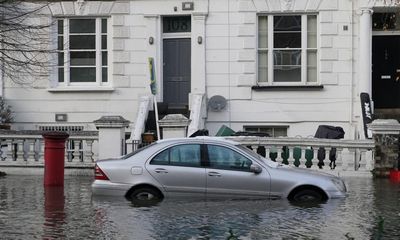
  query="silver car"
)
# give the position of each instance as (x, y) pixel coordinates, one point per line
(208, 167)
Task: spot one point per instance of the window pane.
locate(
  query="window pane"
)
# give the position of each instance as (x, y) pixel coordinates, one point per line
(60, 59)
(104, 25)
(263, 32)
(104, 74)
(287, 66)
(312, 66)
(82, 25)
(287, 57)
(263, 66)
(60, 26)
(82, 74)
(104, 42)
(161, 159)
(287, 23)
(287, 74)
(225, 158)
(61, 75)
(82, 42)
(60, 43)
(287, 40)
(312, 31)
(280, 132)
(83, 58)
(104, 58)
(185, 155)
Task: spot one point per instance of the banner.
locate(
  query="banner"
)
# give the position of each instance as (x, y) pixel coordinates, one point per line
(366, 113)
(153, 83)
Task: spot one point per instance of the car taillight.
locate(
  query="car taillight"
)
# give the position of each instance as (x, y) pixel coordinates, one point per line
(99, 174)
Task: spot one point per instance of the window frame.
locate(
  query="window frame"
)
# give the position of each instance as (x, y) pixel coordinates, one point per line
(304, 49)
(98, 53)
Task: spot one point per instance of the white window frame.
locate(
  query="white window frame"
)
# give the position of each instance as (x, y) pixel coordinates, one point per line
(270, 48)
(98, 54)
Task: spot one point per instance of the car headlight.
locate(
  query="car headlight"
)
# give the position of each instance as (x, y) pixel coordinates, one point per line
(339, 184)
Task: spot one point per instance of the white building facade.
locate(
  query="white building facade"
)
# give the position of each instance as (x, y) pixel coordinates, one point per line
(283, 66)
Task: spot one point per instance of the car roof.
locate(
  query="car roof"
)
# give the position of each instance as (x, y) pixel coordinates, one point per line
(199, 138)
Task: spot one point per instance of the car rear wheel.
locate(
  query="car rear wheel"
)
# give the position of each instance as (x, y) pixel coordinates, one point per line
(308, 195)
(145, 195)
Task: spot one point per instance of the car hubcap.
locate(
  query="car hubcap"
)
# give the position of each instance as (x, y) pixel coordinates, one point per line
(145, 196)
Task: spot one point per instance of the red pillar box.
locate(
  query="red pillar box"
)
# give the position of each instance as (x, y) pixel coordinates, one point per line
(54, 155)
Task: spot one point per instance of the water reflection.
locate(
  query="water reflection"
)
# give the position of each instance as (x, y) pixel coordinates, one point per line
(28, 211)
(54, 214)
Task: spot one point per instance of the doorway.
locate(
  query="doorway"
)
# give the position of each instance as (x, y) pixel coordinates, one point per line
(386, 75)
(176, 63)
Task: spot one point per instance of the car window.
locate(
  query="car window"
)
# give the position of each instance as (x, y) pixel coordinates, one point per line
(225, 158)
(183, 155)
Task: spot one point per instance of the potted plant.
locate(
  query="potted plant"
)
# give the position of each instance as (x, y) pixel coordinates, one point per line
(6, 115)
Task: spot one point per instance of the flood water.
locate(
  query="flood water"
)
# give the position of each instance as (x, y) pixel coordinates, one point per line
(28, 211)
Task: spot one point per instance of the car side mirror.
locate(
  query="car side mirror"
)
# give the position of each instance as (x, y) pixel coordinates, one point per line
(255, 169)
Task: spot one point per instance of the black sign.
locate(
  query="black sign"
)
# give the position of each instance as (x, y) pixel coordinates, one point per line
(366, 112)
(177, 24)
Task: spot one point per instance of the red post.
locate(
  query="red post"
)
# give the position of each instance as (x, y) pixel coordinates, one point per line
(54, 155)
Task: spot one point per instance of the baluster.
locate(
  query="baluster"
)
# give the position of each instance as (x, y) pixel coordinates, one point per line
(267, 152)
(315, 160)
(30, 156)
(345, 159)
(41, 151)
(88, 154)
(20, 151)
(303, 157)
(10, 150)
(290, 156)
(357, 155)
(327, 161)
(77, 151)
(339, 159)
(2, 157)
(279, 158)
(254, 148)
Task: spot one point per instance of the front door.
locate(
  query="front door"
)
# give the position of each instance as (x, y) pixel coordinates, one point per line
(386, 72)
(177, 71)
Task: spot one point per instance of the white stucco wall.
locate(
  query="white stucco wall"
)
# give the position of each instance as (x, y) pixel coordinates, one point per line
(225, 64)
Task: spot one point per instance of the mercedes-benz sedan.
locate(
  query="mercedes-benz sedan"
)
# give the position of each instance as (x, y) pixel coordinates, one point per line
(209, 167)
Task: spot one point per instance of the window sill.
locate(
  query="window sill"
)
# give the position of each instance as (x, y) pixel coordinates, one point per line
(288, 88)
(81, 89)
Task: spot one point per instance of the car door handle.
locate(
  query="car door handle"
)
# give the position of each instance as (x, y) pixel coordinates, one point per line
(160, 170)
(214, 174)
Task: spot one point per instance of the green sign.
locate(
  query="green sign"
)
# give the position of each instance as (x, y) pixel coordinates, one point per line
(153, 83)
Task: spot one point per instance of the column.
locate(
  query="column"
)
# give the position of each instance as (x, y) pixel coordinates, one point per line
(111, 136)
(365, 49)
(198, 81)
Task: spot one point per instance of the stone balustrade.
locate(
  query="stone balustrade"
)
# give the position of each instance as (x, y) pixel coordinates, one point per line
(26, 148)
(352, 157)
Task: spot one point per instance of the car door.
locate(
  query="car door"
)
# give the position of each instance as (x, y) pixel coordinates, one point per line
(179, 170)
(228, 174)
